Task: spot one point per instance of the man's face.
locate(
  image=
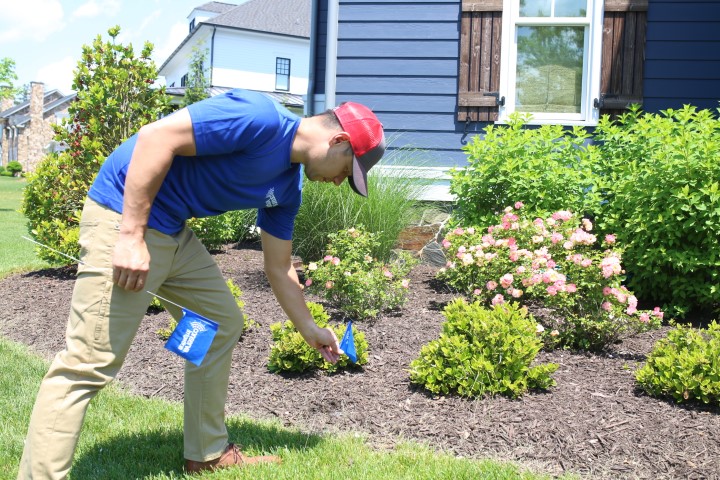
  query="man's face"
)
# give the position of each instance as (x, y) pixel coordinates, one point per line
(334, 167)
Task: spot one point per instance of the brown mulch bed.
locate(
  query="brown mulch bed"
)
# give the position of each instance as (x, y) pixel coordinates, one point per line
(595, 422)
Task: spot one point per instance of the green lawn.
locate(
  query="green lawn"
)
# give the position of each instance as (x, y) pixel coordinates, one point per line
(126, 436)
(16, 254)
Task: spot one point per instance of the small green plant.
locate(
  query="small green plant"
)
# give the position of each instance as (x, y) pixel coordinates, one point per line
(229, 227)
(660, 176)
(547, 168)
(290, 353)
(555, 262)
(164, 333)
(684, 366)
(356, 283)
(483, 351)
(14, 167)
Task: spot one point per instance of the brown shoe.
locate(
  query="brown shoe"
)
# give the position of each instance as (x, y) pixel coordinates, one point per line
(231, 456)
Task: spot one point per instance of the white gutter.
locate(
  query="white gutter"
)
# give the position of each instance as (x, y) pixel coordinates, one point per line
(331, 53)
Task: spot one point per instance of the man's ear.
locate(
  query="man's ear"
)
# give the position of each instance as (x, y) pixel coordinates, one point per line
(339, 137)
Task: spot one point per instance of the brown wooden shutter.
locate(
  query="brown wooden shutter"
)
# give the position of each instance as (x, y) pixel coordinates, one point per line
(479, 71)
(623, 54)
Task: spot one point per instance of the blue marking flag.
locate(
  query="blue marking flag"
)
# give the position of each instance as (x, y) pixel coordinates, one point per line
(347, 344)
(192, 337)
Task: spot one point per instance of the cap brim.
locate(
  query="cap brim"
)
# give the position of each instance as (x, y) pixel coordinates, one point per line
(358, 179)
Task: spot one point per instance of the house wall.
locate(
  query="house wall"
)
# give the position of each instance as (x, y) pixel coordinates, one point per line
(38, 132)
(400, 58)
(682, 56)
(247, 59)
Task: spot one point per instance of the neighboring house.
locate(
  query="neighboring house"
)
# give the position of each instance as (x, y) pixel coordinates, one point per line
(261, 45)
(27, 129)
(438, 71)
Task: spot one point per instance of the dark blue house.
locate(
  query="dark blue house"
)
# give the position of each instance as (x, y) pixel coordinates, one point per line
(438, 71)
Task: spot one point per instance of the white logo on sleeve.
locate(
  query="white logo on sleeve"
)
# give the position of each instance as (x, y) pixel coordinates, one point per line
(270, 200)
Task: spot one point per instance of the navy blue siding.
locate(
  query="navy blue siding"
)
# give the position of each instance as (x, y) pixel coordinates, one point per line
(320, 46)
(682, 55)
(400, 58)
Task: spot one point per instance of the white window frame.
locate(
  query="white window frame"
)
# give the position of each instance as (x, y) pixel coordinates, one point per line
(592, 61)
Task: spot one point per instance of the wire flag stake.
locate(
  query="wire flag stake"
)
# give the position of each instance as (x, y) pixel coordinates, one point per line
(194, 333)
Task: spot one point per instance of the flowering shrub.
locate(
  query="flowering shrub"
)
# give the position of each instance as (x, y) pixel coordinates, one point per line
(290, 353)
(483, 351)
(555, 263)
(350, 279)
(684, 366)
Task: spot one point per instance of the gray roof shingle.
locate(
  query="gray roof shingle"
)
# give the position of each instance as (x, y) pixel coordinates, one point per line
(286, 17)
(216, 7)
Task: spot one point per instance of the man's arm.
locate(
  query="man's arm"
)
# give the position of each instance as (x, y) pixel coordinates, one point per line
(157, 145)
(286, 287)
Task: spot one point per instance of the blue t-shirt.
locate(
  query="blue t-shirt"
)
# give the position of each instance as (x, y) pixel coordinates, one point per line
(243, 143)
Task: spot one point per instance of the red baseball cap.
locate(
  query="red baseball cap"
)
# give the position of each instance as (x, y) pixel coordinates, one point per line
(367, 140)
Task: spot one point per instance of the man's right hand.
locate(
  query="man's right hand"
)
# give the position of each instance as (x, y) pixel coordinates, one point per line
(131, 262)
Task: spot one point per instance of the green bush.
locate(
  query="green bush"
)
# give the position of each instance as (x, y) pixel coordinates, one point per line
(556, 263)
(14, 167)
(356, 283)
(387, 210)
(547, 168)
(685, 366)
(483, 352)
(661, 176)
(290, 353)
(115, 97)
(164, 333)
(229, 227)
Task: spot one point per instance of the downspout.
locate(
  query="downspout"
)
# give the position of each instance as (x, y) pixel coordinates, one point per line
(212, 55)
(331, 60)
(310, 97)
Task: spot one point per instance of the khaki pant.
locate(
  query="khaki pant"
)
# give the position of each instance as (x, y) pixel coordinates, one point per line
(102, 324)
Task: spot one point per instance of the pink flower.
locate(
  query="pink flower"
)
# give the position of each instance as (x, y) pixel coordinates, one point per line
(327, 258)
(446, 243)
(477, 291)
(470, 231)
(329, 284)
(556, 237)
(519, 205)
(514, 256)
(609, 238)
(506, 280)
(458, 231)
(405, 283)
(607, 306)
(587, 224)
(308, 282)
(552, 290)
(644, 317)
(498, 300)
(568, 245)
(658, 313)
(387, 273)
(551, 264)
(491, 285)
(516, 292)
(538, 222)
(520, 270)
(571, 288)
(585, 262)
(630, 310)
(563, 215)
(607, 291)
(336, 261)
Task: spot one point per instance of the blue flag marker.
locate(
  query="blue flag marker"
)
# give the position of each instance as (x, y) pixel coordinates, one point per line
(348, 343)
(192, 337)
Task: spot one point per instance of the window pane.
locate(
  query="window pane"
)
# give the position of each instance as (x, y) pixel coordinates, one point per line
(570, 8)
(535, 8)
(549, 69)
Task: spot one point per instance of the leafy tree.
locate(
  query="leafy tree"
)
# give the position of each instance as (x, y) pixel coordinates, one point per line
(197, 82)
(115, 97)
(7, 77)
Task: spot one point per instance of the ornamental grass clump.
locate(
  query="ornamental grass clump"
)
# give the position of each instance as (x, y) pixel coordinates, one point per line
(290, 353)
(483, 351)
(355, 282)
(556, 263)
(684, 366)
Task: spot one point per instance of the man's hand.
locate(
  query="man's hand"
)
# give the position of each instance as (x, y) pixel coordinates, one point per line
(131, 262)
(325, 341)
